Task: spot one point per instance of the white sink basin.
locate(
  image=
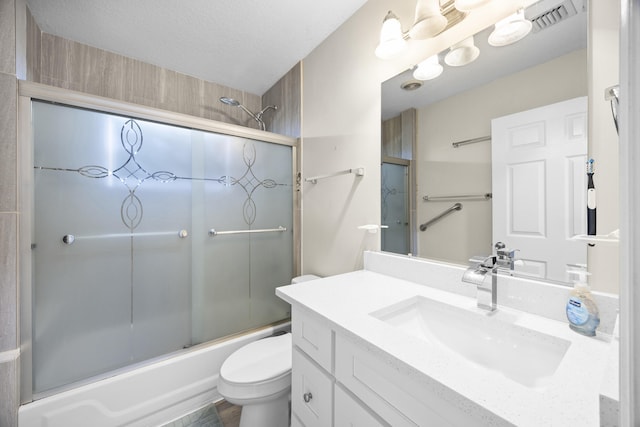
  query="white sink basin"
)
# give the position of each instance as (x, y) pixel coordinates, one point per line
(520, 354)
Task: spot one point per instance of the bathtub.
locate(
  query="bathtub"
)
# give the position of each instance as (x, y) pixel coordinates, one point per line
(148, 396)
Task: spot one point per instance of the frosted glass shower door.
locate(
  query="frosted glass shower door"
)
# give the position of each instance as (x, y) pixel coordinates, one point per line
(395, 208)
(239, 271)
(150, 238)
(111, 276)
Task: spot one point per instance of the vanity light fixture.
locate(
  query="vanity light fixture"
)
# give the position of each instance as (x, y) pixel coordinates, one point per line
(469, 5)
(428, 69)
(510, 29)
(392, 42)
(462, 53)
(429, 20)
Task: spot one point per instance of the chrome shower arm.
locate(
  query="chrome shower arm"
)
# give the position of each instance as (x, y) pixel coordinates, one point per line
(255, 117)
(265, 109)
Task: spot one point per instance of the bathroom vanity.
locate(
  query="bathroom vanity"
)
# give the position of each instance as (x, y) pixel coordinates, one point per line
(402, 343)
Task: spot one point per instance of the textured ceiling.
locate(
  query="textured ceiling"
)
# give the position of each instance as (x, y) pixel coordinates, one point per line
(244, 44)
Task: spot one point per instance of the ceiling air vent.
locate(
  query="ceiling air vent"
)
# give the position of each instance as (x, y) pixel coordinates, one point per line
(553, 15)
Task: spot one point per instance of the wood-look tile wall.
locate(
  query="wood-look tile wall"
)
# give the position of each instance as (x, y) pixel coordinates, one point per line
(392, 137)
(67, 64)
(75, 66)
(286, 95)
(398, 134)
(9, 40)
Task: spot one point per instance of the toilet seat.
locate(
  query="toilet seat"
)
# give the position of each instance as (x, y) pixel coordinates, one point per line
(259, 369)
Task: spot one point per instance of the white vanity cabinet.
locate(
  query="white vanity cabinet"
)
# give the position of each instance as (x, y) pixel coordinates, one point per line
(360, 356)
(311, 372)
(316, 399)
(350, 413)
(311, 392)
(339, 382)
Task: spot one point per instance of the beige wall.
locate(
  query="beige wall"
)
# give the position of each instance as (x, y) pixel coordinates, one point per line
(444, 170)
(341, 128)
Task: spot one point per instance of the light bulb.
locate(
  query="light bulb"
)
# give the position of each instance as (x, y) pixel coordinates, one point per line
(462, 53)
(392, 41)
(428, 69)
(510, 29)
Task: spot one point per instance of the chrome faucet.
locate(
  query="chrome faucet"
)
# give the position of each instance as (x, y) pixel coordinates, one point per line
(502, 261)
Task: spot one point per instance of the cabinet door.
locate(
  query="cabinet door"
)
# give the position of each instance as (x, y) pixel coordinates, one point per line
(311, 392)
(313, 337)
(350, 413)
(398, 396)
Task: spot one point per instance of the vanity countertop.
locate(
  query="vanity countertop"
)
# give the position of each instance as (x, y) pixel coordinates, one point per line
(571, 398)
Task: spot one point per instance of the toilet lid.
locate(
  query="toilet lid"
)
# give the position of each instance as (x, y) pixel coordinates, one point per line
(259, 361)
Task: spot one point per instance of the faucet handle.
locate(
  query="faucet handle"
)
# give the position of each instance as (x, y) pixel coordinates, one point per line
(503, 253)
(505, 257)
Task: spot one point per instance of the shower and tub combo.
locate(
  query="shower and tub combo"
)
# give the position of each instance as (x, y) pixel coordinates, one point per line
(155, 252)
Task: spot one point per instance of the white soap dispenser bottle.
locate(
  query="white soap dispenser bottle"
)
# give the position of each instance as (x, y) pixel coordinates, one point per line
(582, 311)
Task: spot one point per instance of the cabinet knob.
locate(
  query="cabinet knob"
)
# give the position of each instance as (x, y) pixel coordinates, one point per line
(307, 397)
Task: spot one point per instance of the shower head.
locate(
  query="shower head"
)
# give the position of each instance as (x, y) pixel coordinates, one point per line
(257, 117)
(230, 101)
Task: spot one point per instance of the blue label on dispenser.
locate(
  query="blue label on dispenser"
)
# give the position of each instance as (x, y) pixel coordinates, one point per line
(577, 313)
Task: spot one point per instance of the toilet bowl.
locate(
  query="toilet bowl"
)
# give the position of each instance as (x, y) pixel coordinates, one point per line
(257, 377)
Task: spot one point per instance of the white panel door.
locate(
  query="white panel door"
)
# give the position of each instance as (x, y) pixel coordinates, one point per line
(539, 186)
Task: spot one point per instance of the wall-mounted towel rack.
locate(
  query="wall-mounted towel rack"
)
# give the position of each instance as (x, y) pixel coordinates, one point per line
(356, 171)
(485, 196)
(453, 208)
(213, 232)
(471, 141)
(69, 239)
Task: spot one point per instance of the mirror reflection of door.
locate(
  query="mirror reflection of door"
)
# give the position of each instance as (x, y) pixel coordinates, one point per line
(395, 207)
(540, 186)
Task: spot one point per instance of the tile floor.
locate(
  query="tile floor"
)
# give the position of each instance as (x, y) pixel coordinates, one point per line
(220, 414)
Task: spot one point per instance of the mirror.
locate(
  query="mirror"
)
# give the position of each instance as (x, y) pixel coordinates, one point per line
(546, 67)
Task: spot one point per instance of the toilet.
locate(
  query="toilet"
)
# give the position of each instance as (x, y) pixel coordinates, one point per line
(257, 377)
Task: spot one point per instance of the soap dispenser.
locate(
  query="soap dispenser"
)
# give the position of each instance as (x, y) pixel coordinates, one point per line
(582, 311)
